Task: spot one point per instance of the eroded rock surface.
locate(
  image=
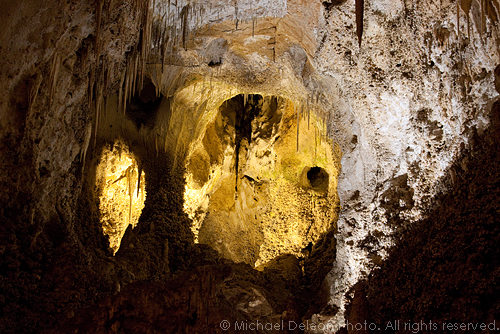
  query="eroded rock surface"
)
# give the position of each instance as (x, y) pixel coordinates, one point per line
(401, 112)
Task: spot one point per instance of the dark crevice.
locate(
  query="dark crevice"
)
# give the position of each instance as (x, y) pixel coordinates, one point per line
(143, 107)
(242, 110)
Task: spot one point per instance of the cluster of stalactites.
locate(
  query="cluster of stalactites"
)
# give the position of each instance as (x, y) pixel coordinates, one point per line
(164, 27)
(488, 9)
(302, 110)
(175, 19)
(102, 68)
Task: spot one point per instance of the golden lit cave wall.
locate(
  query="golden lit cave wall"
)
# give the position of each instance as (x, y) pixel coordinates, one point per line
(276, 209)
(121, 195)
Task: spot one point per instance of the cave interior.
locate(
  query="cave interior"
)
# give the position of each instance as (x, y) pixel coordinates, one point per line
(249, 166)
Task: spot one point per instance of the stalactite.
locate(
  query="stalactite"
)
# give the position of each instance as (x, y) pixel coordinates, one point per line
(130, 79)
(129, 174)
(483, 18)
(327, 121)
(360, 8)
(110, 71)
(127, 80)
(100, 4)
(98, 104)
(139, 74)
(91, 89)
(458, 20)
(132, 74)
(147, 15)
(466, 6)
(85, 146)
(158, 83)
(308, 116)
(156, 145)
(54, 72)
(139, 179)
(34, 89)
(324, 128)
(185, 24)
(315, 142)
(120, 92)
(142, 190)
(236, 13)
(298, 125)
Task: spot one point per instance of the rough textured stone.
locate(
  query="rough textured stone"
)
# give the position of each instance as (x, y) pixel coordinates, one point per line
(403, 110)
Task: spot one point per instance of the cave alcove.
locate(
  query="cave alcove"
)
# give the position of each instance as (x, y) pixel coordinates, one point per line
(300, 158)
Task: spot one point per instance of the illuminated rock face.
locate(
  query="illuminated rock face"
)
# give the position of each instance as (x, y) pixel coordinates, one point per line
(248, 178)
(391, 118)
(121, 193)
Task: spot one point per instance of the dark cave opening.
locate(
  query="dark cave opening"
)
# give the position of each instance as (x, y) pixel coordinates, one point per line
(143, 107)
(318, 178)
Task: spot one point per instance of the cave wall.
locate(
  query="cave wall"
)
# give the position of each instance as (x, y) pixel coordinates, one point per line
(450, 279)
(415, 91)
(401, 108)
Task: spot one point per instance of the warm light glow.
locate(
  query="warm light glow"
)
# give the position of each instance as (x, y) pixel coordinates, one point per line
(284, 196)
(121, 195)
(196, 200)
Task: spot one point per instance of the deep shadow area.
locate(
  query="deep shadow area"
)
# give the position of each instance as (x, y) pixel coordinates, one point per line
(143, 107)
(318, 178)
(445, 268)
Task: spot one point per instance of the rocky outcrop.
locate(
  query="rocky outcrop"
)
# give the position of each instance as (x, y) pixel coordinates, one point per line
(401, 111)
(413, 95)
(443, 270)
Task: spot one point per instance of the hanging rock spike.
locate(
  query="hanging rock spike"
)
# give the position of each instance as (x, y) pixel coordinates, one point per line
(120, 91)
(298, 124)
(466, 6)
(54, 72)
(34, 89)
(100, 4)
(139, 179)
(86, 143)
(360, 8)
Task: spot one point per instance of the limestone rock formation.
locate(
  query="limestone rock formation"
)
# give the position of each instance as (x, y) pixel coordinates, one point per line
(167, 165)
